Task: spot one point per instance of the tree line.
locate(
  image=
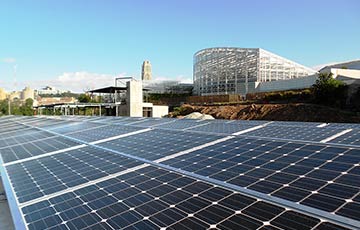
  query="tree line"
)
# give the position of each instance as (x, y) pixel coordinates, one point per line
(17, 107)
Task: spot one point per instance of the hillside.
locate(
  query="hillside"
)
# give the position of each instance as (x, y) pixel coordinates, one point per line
(274, 112)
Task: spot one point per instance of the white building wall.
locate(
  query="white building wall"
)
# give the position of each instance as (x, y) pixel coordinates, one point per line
(160, 110)
(351, 73)
(296, 83)
(348, 76)
(134, 98)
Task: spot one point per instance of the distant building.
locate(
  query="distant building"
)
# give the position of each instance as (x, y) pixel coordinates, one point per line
(3, 94)
(146, 71)
(49, 90)
(347, 72)
(167, 86)
(27, 93)
(128, 101)
(15, 95)
(225, 70)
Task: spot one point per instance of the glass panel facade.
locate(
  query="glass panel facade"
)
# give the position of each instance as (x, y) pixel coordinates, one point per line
(231, 70)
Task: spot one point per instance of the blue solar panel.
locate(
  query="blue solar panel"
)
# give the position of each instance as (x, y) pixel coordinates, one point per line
(150, 122)
(350, 138)
(103, 132)
(155, 144)
(74, 127)
(225, 128)
(138, 173)
(302, 173)
(38, 147)
(182, 124)
(152, 198)
(294, 133)
(46, 175)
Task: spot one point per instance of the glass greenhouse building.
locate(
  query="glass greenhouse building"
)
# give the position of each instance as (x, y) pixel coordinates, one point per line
(220, 71)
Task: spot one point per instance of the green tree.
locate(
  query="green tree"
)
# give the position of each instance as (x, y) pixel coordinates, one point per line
(27, 108)
(329, 91)
(84, 98)
(4, 105)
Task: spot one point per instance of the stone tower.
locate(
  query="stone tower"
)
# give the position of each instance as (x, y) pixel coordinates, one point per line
(146, 71)
(3, 94)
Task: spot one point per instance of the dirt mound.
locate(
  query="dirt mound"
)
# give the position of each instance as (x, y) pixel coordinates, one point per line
(273, 112)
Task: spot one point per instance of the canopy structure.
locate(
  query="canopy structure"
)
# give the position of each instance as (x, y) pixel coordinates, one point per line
(110, 89)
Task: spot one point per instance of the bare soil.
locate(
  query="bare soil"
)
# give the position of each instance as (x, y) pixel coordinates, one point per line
(272, 112)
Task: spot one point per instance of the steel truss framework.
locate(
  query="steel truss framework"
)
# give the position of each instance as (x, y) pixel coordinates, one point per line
(235, 70)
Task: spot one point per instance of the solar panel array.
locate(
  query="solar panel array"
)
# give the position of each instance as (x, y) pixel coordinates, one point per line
(147, 173)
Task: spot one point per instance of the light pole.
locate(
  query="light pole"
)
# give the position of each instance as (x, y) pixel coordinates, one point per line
(9, 105)
(14, 78)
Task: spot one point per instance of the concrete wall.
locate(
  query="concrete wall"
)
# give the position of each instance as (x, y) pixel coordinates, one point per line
(296, 83)
(123, 110)
(160, 110)
(134, 98)
(355, 74)
(346, 75)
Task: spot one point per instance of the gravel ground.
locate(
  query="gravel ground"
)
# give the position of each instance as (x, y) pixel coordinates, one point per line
(5, 216)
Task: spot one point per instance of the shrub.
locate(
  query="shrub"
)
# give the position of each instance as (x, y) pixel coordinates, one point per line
(329, 91)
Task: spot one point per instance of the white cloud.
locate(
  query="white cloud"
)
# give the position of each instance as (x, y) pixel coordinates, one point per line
(8, 60)
(76, 81)
(82, 81)
(79, 82)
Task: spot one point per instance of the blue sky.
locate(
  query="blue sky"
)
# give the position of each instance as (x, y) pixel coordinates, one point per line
(67, 42)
